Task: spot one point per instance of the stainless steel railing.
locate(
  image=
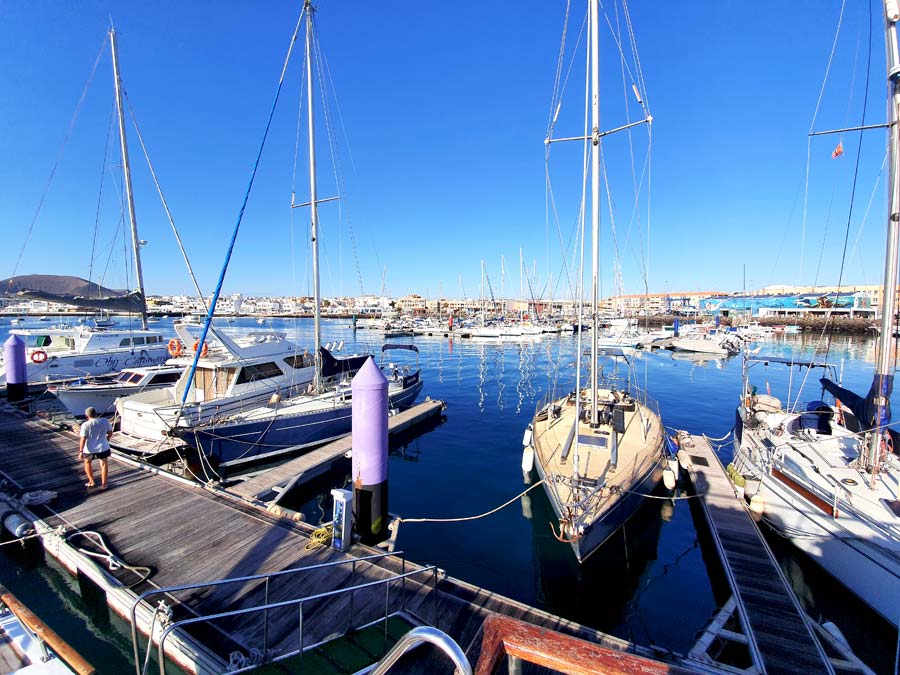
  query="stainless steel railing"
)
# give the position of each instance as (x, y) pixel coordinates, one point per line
(266, 577)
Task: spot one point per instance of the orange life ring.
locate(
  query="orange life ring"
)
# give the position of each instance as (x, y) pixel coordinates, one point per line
(175, 348)
(38, 356)
(203, 351)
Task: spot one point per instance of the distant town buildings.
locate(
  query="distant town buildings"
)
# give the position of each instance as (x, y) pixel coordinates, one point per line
(779, 300)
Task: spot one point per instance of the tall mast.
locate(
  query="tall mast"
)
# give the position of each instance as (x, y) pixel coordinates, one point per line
(129, 196)
(884, 368)
(313, 198)
(595, 201)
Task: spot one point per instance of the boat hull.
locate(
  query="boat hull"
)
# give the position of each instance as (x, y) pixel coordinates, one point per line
(866, 569)
(72, 366)
(603, 528)
(270, 437)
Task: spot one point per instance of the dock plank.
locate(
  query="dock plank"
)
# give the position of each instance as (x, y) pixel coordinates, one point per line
(187, 533)
(781, 639)
(317, 461)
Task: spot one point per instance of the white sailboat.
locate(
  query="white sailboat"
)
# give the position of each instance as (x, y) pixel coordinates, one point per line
(600, 448)
(827, 477)
(65, 353)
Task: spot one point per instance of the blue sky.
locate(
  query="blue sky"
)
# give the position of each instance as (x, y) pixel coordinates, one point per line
(443, 111)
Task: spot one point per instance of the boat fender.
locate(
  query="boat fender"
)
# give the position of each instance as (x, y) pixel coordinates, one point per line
(17, 525)
(669, 478)
(683, 459)
(527, 459)
(175, 348)
(204, 349)
(528, 436)
(673, 465)
(758, 504)
(38, 356)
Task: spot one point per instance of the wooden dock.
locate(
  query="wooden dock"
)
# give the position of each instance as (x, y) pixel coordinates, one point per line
(270, 485)
(779, 635)
(160, 532)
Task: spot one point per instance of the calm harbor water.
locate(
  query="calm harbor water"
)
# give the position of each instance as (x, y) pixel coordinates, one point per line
(649, 583)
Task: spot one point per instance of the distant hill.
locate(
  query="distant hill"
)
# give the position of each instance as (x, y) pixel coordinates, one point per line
(57, 284)
(72, 291)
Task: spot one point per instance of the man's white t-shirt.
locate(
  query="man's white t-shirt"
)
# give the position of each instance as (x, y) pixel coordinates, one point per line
(94, 432)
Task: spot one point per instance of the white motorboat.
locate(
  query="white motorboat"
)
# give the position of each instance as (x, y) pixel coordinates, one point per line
(101, 393)
(233, 374)
(717, 344)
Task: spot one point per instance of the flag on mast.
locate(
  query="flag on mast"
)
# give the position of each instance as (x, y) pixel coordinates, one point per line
(838, 151)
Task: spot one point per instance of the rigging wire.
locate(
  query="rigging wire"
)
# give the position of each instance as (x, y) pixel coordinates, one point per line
(100, 198)
(165, 204)
(240, 218)
(853, 188)
(339, 179)
(58, 160)
(812, 124)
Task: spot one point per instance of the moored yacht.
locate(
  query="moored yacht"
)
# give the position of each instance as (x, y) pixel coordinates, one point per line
(101, 392)
(232, 375)
(81, 351)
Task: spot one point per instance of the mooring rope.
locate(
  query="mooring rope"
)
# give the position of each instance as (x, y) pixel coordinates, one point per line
(466, 518)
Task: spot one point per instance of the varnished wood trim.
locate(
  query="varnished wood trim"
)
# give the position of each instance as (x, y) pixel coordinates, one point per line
(558, 652)
(809, 496)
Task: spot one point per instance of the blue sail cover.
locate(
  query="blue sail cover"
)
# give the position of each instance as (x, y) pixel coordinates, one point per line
(865, 408)
(337, 366)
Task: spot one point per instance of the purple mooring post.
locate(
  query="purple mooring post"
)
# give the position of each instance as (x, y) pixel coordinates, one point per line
(16, 368)
(370, 453)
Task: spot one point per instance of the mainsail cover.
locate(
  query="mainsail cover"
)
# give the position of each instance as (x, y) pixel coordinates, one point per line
(866, 408)
(72, 291)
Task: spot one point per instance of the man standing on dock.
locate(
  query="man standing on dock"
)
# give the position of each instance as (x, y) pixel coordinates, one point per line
(93, 443)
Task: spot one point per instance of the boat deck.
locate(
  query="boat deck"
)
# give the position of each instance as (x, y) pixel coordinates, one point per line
(554, 450)
(183, 533)
(281, 478)
(779, 634)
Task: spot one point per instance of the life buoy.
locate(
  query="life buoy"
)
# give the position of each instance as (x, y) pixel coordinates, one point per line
(175, 348)
(38, 356)
(204, 350)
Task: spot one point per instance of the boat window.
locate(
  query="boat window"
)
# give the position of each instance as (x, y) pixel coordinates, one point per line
(152, 339)
(259, 371)
(165, 378)
(123, 377)
(43, 341)
(298, 361)
(135, 377)
(138, 340)
(125, 343)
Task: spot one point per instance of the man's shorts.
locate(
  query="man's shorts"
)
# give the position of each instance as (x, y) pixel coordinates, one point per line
(95, 455)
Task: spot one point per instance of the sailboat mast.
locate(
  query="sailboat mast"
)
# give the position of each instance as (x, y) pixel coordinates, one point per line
(129, 196)
(595, 201)
(884, 368)
(313, 200)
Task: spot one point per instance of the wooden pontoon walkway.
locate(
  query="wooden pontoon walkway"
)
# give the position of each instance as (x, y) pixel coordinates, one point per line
(184, 533)
(778, 631)
(280, 479)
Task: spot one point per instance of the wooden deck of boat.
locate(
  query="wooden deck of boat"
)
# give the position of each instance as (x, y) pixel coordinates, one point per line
(185, 533)
(316, 462)
(778, 631)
